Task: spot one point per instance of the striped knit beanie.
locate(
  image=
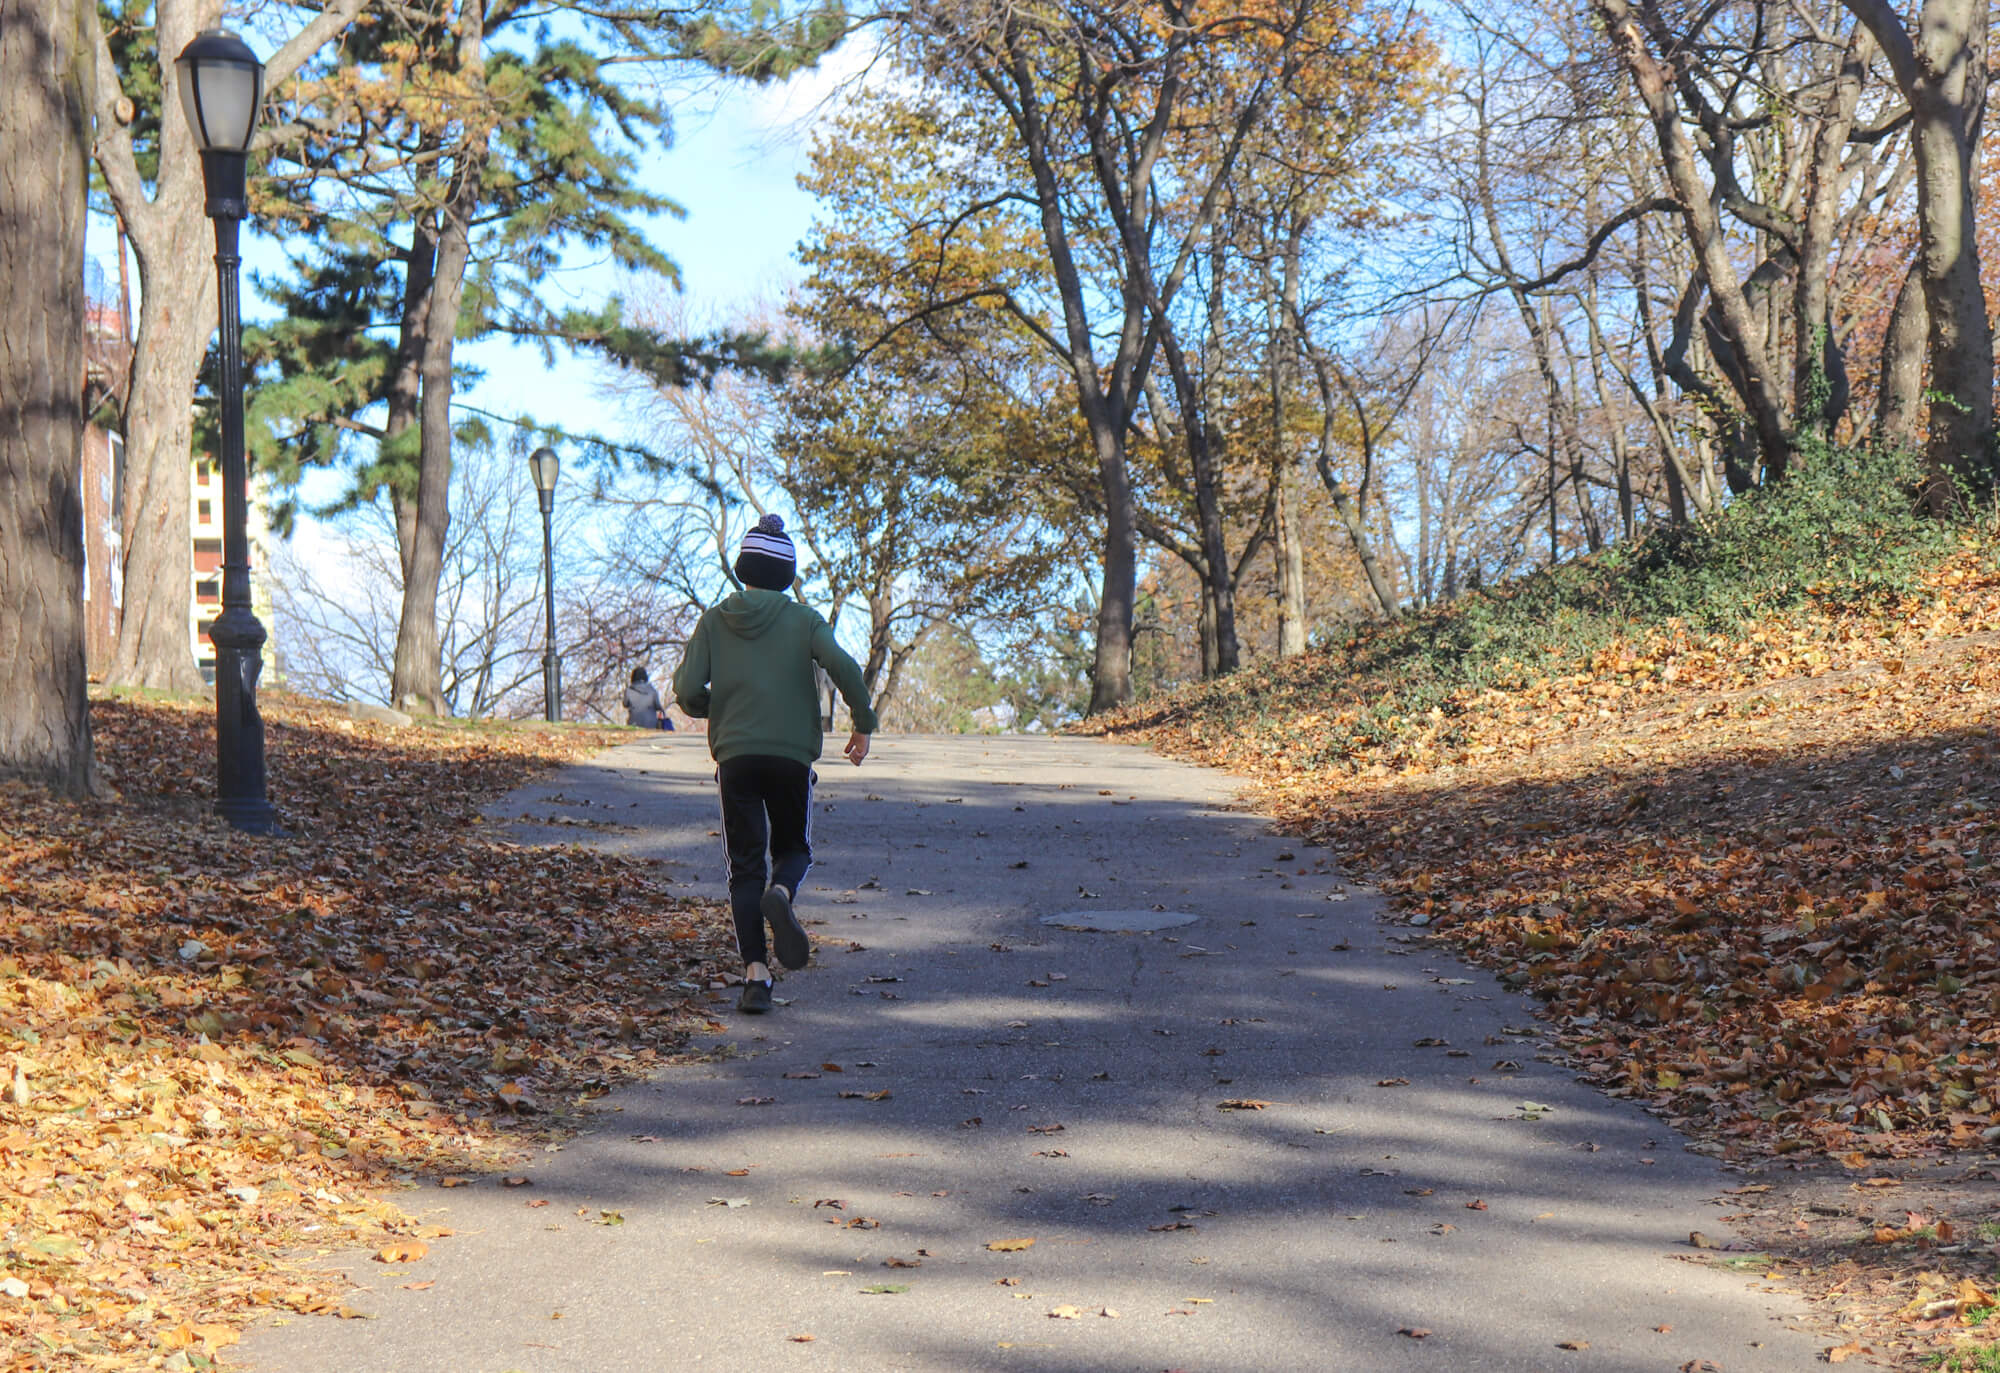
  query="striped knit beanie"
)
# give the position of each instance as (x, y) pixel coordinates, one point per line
(767, 558)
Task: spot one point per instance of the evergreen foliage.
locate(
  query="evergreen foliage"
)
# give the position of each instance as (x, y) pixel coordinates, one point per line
(565, 129)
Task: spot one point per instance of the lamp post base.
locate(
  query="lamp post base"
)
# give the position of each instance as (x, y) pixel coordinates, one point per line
(250, 815)
(552, 688)
(240, 794)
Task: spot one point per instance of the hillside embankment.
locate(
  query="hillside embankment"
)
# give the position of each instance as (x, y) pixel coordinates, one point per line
(1729, 806)
(223, 1057)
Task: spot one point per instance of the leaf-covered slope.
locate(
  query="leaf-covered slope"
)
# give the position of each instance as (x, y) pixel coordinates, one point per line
(1751, 873)
(213, 1046)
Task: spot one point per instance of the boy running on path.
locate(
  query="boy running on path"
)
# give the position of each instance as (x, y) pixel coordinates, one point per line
(749, 670)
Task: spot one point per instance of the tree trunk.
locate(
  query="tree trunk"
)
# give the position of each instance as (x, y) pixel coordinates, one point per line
(1899, 395)
(1946, 135)
(1118, 592)
(1677, 501)
(46, 54)
(1348, 505)
(1357, 532)
(1564, 429)
(1815, 405)
(1104, 395)
(1288, 526)
(1215, 551)
(177, 312)
(1203, 441)
(406, 387)
(1288, 556)
(176, 317)
(154, 646)
(1621, 446)
(415, 684)
(1758, 387)
(1683, 486)
(1208, 460)
(892, 682)
(1942, 74)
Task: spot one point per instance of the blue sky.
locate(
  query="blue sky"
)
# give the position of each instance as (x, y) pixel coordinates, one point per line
(733, 166)
(733, 163)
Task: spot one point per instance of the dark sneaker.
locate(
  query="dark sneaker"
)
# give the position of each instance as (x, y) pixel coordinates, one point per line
(756, 998)
(788, 936)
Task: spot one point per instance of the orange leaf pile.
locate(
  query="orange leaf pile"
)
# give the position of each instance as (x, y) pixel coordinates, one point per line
(215, 1047)
(1754, 877)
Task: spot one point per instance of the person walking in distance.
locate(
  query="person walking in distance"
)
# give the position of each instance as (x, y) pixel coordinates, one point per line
(749, 670)
(642, 703)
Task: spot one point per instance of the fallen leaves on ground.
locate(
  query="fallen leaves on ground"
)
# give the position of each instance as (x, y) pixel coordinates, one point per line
(1753, 876)
(1011, 1246)
(219, 1048)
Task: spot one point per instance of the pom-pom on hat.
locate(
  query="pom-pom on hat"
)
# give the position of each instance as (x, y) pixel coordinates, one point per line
(767, 558)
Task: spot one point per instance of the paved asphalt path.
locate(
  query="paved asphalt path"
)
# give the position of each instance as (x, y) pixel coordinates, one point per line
(1064, 1086)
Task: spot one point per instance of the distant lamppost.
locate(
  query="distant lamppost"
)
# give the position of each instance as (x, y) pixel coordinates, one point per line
(542, 464)
(222, 92)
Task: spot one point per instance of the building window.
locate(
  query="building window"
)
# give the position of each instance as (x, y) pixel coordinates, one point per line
(210, 590)
(208, 545)
(201, 472)
(202, 511)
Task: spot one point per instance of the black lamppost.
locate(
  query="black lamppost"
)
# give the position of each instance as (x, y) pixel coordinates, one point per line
(542, 464)
(222, 92)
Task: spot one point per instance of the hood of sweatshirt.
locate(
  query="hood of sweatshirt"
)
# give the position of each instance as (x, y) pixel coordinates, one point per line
(751, 611)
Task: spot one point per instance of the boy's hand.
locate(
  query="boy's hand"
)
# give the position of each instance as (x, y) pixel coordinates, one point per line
(857, 748)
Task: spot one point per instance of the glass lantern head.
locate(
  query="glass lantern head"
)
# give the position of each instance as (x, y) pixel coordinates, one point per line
(544, 465)
(222, 90)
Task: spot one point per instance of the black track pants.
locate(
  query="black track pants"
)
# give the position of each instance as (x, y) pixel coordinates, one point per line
(766, 805)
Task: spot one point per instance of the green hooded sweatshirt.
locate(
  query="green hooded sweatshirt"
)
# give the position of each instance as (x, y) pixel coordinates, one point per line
(749, 671)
